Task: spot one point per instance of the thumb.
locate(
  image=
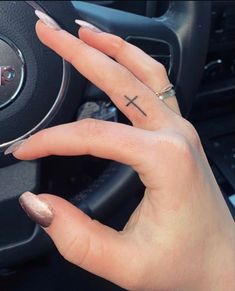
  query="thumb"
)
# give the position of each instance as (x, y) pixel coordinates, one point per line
(81, 240)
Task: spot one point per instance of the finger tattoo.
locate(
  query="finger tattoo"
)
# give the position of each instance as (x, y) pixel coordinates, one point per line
(131, 101)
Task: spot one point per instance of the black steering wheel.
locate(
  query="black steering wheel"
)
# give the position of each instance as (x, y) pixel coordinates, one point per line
(38, 89)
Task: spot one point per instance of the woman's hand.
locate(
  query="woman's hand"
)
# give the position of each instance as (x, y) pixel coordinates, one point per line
(181, 236)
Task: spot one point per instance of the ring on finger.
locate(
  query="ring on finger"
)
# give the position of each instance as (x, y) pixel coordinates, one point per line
(166, 92)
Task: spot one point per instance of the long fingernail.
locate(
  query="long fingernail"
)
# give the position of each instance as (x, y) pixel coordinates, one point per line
(15, 146)
(37, 209)
(46, 19)
(88, 25)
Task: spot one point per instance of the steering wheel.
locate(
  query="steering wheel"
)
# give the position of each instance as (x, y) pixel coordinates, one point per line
(39, 89)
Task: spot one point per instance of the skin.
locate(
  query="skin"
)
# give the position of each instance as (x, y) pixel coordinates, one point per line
(181, 236)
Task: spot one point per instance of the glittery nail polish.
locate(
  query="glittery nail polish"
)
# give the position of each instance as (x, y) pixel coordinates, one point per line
(37, 209)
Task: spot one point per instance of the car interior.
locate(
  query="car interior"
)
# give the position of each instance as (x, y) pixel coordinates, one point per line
(195, 41)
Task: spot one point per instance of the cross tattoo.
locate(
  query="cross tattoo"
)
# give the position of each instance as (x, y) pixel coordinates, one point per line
(131, 101)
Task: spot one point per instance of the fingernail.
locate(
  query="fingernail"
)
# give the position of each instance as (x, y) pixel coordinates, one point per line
(88, 25)
(37, 209)
(15, 146)
(46, 19)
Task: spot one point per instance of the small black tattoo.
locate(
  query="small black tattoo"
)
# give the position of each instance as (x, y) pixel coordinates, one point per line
(131, 101)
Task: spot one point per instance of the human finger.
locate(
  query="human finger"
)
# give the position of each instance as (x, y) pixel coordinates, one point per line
(130, 95)
(81, 240)
(103, 139)
(149, 71)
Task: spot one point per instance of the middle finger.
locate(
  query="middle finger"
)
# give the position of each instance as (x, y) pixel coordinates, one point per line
(131, 96)
(150, 72)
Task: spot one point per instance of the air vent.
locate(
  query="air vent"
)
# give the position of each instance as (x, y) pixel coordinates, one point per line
(146, 8)
(157, 49)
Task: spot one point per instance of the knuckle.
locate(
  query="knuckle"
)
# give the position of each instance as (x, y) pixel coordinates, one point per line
(91, 128)
(192, 135)
(173, 147)
(161, 68)
(156, 69)
(183, 146)
(44, 133)
(118, 45)
(41, 135)
(90, 125)
(160, 71)
(184, 155)
(44, 137)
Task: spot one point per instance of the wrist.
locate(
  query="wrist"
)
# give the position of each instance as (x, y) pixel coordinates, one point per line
(219, 273)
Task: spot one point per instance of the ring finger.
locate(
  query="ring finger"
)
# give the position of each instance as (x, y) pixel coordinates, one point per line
(130, 95)
(144, 67)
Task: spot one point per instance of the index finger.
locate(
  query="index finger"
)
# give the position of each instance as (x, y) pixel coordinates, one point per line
(109, 140)
(118, 82)
(149, 71)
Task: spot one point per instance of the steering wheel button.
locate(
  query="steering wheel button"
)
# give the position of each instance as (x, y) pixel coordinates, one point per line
(11, 71)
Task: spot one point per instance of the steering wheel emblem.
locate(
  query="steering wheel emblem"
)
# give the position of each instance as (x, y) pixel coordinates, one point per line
(7, 74)
(12, 72)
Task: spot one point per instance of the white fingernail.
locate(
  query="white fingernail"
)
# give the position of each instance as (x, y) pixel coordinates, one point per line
(88, 25)
(46, 19)
(14, 147)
